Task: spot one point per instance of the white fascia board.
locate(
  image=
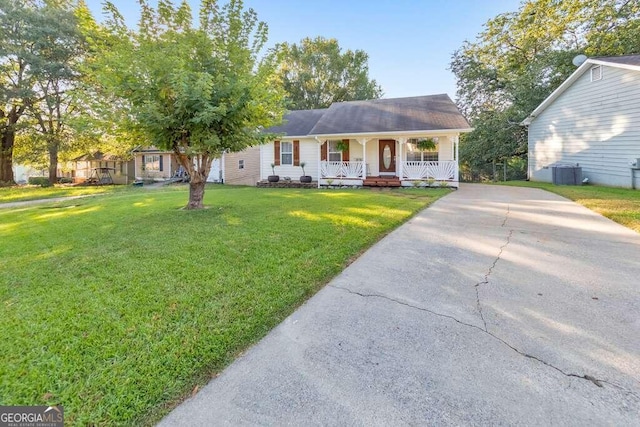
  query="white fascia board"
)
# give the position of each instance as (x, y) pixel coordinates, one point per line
(615, 64)
(392, 134)
(287, 137)
(572, 78)
(556, 93)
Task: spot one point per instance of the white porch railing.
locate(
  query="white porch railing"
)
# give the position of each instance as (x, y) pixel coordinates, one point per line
(341, 169)
(440, 171)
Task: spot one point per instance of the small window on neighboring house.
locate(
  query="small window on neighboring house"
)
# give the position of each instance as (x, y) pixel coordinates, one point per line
(334, 154)
(240, 164)
(286, 153)
(151, 162)
(596, 73)
(414, 154)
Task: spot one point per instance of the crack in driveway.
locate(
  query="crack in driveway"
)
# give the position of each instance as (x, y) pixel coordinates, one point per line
(596, 381)
(491, 268)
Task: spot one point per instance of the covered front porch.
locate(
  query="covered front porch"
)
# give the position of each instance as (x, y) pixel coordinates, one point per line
(389, 161)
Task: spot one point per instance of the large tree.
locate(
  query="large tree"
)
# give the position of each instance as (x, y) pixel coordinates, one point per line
(316, 73)
(198, 91)
(57, 100)
(18, 36)
(522, 56)
(38, 45)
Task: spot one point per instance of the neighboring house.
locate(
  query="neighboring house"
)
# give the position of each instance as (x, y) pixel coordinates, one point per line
(592, 120)
(154, 164)
(97, 166)
(369, 142)
(21, 173)
(242, 168)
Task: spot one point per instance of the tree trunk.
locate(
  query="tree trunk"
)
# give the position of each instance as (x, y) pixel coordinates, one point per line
(198, 167)
(53, 163)
(6, 156)
(196, 194)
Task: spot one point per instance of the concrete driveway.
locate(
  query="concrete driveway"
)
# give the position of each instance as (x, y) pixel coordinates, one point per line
(496, 305)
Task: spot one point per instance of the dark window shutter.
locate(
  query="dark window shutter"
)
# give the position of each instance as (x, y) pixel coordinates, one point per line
(345, 153)
(296, 153)
(161, 156)
(323, 151)
(142, 168)
(276, 153)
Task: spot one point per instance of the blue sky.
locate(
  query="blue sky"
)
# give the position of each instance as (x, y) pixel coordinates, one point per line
(409, 42)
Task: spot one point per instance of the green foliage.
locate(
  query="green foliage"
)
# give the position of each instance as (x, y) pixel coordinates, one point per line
(342, 146)
(39, 180)
(196, 91)
(121, 326)
(426, 144)
(316, 73)
(522, 56)
(41, 50)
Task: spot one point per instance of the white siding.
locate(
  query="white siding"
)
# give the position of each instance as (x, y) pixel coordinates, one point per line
(169, 165)
(355, 151)
(445, 148)
(215, 173)
(594, 124)
(249, 175)
(308, 154)
(373, 164)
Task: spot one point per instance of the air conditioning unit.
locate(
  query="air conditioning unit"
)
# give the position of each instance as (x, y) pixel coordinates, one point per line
(566, 175)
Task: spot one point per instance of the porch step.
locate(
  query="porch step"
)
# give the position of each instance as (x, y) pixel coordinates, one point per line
(378, 181)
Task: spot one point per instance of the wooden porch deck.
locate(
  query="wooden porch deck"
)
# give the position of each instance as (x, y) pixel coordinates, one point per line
(382, 181)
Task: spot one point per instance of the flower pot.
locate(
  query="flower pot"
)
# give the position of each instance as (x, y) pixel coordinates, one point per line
(273, 178)
(305, 178)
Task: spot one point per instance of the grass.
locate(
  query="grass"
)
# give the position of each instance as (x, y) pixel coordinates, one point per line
(118, 306)
(32, 192)
(621, 205)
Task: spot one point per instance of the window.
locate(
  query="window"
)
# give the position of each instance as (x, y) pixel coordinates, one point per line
(286, 153)
(414, 154)
(240, 164)
(151, 162)
(596, 73)
(333, 153)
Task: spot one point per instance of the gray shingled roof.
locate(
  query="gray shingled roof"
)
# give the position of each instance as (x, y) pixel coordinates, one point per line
(298, 122)
(625, 59)
(433, 112)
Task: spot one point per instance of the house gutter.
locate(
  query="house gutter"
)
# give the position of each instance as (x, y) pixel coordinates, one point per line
(391, 133)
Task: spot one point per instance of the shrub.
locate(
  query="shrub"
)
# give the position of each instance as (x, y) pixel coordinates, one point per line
(42, 181)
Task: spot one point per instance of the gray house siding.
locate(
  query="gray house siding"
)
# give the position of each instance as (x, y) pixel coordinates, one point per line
(595, 124)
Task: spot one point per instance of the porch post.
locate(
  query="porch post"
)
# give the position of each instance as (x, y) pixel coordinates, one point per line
(456, 142)
(363, 142)
(319, 161)
(401, 142)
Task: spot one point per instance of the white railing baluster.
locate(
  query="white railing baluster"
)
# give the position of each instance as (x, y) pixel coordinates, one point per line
(341, 169)
(440, 171)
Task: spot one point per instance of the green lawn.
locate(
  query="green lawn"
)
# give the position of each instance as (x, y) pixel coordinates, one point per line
(30, 192)
(117, 307)
(622, 205)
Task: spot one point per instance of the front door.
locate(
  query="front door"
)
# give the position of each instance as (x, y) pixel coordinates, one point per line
(387, 156)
